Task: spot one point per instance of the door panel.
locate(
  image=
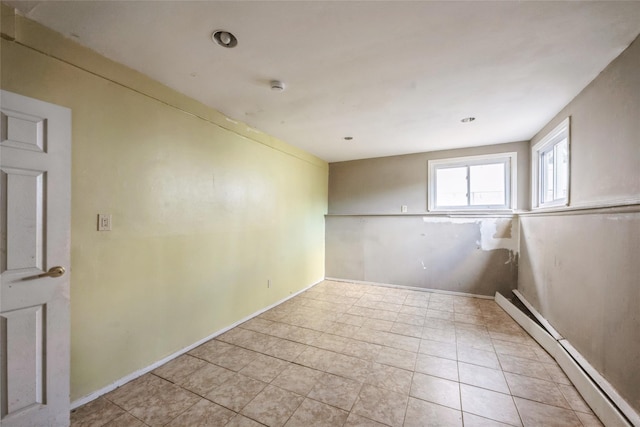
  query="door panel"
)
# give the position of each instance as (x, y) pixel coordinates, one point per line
(35, 196)
(23, 247)
(23, 342)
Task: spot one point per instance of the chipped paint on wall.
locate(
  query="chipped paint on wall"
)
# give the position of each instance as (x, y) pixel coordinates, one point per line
(495, 233)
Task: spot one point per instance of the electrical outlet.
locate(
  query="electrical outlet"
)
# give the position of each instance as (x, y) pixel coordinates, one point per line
(104, 222)
(403, 208)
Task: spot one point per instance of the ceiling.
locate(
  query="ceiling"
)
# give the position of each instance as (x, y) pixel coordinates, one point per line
(396, 76)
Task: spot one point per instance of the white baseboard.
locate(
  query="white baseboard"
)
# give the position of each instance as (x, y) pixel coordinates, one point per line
(577, 369)
(411, 288)
(132, 376)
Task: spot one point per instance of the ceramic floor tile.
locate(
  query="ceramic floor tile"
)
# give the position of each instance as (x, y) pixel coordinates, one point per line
(234, 358)
(414, 311)
(489, 404)
(408, 330)
(203, 414)
(358, 421)
(315, 358)
(526, 367)
(390, 378)
(471, 420)
(440, 335)
(589, 420)
(236, 392)
(539, 414)
(264, 368)
(362, 350)
(316, 414)
(273, 406)
(555, 373)
(343, 330)
(124, 420)
(410, 319)
(286, 350)
(480, 376)
(440, 305)
(331, 342)
(514, 349)
(259, 325)
(403, 342)
(163, 406)
(206, 379)
(398, 358)
(438, 349)
(348, 367)
(381, 405)
(469, 318)
(488, 359)
(242, 421)
(336, 391)
(575, 400)
(350, 319)
(211, 350)
(436, 390)
(378, 325)
(426, 414)
(298, 379)
(536, 389)
(136, 392)
(394, 351)
(437, 366)
(95, 413)
(179, 368)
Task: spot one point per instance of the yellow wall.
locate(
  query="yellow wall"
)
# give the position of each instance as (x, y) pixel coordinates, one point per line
(205, 211)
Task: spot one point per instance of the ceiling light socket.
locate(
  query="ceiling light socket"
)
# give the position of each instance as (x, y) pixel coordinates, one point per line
(277, 85)
(224, 38)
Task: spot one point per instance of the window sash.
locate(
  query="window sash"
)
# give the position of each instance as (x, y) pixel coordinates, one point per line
(468, 164)
(550, 168)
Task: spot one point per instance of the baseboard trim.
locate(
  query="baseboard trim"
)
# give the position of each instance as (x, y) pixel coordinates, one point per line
(122, 381)
(576, 369)
(411, 288)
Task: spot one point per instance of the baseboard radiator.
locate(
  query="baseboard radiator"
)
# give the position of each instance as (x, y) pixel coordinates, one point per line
(603, 399)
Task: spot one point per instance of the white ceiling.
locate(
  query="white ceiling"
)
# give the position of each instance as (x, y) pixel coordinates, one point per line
(397, 76)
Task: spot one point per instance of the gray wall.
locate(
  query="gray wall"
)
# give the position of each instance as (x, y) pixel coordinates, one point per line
(581, 268)
(382, 185)
(368, 239)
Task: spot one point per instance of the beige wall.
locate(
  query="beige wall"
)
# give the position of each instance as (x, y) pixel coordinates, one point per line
(368, 239)
(205, 211)
(580, 268)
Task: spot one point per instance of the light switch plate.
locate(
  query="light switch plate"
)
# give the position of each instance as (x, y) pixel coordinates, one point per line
(104, 222)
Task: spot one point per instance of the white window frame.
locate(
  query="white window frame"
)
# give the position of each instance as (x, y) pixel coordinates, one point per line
(510, 161)
(546, 144)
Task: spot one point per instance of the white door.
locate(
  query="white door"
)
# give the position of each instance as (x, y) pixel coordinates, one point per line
(35, 196)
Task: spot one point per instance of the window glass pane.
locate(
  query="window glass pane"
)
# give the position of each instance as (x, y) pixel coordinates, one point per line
(562, 166)
(451, 186)
(547, 171)
(487, 184)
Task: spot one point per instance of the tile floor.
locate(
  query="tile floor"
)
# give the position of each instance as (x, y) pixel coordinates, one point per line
(344, 354)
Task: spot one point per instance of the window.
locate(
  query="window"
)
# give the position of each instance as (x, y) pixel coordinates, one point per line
(473, 183)
(550, 168)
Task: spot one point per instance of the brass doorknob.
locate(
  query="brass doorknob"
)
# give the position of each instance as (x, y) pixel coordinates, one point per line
(56, 271)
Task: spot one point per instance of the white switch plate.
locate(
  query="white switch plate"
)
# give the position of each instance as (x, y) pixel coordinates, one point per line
(403, 208)
(104, 222)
